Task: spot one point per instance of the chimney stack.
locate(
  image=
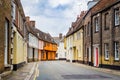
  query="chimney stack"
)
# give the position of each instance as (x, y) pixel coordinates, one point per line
(60, 36)
(32, 23)
(27, 19)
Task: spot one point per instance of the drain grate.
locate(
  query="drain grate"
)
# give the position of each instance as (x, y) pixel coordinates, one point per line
(84, 76)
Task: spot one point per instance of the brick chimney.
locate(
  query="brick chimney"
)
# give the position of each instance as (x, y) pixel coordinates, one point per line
(27, 19)
(32, 23)
(60, 36)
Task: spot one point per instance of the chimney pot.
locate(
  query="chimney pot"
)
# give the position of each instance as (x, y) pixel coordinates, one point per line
(32, 23)
(60, 36)
(27, 19)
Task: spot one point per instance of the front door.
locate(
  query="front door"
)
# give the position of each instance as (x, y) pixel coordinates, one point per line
(46, 55)
(96, 57)
(33, 54)
(6, 43)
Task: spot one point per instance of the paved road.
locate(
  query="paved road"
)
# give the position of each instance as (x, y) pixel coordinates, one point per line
(60, 70)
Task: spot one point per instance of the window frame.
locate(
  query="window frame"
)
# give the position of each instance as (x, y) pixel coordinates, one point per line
(106, 19)
(116, 51)
(106, 51)
(96, 21)
(116, 11)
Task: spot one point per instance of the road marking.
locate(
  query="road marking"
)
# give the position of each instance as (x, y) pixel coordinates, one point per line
(36, 72)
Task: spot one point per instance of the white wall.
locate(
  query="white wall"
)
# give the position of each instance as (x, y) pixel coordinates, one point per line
(33, 41)
(61, 51)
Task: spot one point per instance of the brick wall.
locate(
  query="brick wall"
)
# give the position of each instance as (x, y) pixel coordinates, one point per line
(5, 13)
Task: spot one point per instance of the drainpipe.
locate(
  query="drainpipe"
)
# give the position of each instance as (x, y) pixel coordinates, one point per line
(101, 38)
(91, 33)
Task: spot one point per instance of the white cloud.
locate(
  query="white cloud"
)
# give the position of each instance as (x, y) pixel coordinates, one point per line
(50, 19)
(55, 3)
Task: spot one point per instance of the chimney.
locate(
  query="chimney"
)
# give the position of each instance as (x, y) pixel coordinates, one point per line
(32, 23)
(27, 19)
(60, 36)
(90, 4)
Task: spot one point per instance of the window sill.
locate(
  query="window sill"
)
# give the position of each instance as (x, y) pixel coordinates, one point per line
(117, 25)
(96, 31)
(106, 59)
(117, 60)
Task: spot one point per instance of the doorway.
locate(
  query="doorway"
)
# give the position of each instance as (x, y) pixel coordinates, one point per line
(6, 42)
(96, 56)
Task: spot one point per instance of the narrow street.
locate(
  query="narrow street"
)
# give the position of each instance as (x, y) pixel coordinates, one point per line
(61, 70)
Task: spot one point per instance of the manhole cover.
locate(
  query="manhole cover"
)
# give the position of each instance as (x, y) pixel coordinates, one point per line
(84, 77)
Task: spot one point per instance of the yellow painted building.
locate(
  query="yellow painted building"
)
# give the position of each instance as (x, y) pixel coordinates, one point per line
(78, 46)
(74, 40)
(19, 51)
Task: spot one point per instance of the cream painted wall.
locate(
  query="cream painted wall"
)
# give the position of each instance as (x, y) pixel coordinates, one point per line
(78, 43)
(20, 48)
(74, 46)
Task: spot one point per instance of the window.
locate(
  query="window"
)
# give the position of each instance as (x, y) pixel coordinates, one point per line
(96, 24)
(106, 51)
(13, 10)
(106, 21)
(78, 35)
(117, 18)
(116, 51)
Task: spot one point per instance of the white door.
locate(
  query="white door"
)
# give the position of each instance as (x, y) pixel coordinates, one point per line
(6, 43)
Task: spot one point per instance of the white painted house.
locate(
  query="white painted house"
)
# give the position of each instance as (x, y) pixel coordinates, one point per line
(61, 52)
(33, 47)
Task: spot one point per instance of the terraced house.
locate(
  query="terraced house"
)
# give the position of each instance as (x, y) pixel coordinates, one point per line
(74, 41)
(19, 47)
(50, 48)
(101, 35)
(105, 22)
(61, 53)
(5, 34)
(32, 39)
(41, 45)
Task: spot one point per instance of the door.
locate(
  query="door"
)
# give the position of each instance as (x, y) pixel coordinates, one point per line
(88, 55)
(33, 54)
(6, 42)
(46, 55)
(96, 57)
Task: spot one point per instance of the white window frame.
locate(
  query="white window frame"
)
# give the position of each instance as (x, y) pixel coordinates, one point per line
(14, 10)
(116, 44)
(96, 24)
(117, 18)
(106, 51)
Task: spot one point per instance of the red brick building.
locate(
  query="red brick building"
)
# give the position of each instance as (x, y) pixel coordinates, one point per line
(5, 34)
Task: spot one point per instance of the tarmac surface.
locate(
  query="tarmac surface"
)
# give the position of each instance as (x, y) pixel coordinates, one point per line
(62, 70)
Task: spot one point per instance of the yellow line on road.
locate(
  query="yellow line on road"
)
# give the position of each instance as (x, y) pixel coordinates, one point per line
(36, 72)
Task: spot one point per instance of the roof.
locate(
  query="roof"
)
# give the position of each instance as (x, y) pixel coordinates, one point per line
(40, 34)
(76, 25)
(100, 6)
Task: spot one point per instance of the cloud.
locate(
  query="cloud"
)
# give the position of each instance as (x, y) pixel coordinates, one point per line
(54, 16)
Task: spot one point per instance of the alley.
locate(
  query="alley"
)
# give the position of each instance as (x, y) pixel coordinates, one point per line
(61, 70)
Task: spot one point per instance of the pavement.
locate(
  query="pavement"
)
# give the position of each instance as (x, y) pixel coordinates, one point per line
(62, 70)
(27, 72)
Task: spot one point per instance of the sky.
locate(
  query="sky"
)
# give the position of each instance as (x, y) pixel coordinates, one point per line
(54, 16)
